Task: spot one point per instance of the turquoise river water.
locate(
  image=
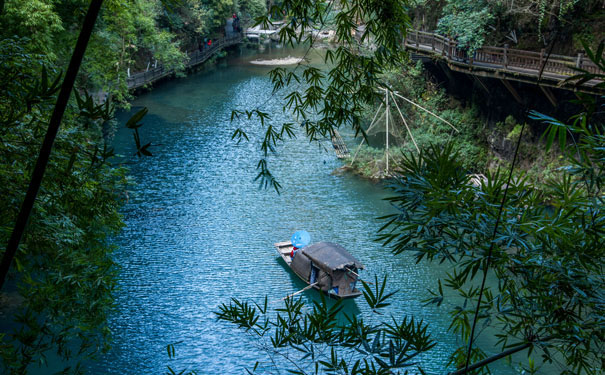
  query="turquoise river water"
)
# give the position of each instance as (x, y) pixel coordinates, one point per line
(200, 231)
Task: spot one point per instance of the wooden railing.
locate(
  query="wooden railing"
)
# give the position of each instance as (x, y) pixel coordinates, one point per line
(529, 63)
(137, 80)
(558, 67)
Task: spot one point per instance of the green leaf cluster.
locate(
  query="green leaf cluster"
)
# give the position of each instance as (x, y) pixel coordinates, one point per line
(59, 293)
(322, 339)
(546, 281)
(466, 22)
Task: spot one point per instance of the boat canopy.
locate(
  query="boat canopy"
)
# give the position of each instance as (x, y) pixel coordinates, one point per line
(331, 256)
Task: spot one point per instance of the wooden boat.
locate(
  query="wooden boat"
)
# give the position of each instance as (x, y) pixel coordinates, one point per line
(325, 266)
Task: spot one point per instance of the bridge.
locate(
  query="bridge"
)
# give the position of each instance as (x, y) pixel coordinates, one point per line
(504, 63)
(196, 58)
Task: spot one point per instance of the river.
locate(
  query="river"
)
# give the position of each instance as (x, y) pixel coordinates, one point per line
(200, 231)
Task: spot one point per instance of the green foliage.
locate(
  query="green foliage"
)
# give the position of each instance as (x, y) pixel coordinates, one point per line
(524, 24)
(466, 22)
(36, 19)
(370, 162)
(134, 124)
(546, 263)
(376, 298)
(546, 266)
(251, 9)
(128, 36)
(171, 350)
(63, 274)
(324, 340)
(515, 133)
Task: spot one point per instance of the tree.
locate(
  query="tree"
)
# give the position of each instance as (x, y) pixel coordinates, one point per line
(130, 36)
(251, 9)
(63, 272)
(466, 22)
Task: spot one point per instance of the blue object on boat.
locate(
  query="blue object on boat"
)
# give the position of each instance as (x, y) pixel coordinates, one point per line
(301, 239)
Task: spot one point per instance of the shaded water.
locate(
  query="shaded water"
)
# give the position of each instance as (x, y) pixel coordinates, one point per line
(199, 230)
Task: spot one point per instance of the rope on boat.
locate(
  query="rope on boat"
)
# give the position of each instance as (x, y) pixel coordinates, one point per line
(359, 277)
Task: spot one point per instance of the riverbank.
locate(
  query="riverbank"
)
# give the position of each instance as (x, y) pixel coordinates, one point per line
(251, 51)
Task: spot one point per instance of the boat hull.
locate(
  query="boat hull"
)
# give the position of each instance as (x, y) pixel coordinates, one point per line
(284, 249)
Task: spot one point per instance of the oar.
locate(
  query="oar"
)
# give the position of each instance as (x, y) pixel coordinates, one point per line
(303, 289)
(300, 291)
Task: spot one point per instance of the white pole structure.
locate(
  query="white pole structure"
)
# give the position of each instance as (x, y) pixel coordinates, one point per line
(386, 94)
(405, 123)
(387, 114)
(426, 110)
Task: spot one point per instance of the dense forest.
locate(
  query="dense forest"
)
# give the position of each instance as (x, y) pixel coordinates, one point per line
(535, 224)
(524, 24)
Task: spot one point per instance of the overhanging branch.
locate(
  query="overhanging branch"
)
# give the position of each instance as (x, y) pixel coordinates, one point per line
(498, 356)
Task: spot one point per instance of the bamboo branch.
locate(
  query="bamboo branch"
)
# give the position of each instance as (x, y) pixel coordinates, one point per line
(498, 356)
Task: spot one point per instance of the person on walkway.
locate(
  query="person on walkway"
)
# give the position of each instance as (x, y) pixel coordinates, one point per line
(209, 43)
(235, 23)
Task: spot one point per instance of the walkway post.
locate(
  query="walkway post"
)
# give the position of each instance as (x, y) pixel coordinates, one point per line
(505, 55)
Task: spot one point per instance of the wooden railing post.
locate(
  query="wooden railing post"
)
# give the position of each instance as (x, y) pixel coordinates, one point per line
(505, 55)
(433, 42)
(579, 60)
(454, 48)
(417, 40)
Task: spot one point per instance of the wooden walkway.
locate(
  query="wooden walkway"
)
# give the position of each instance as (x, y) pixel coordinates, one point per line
(197, 57)
(503, 62)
